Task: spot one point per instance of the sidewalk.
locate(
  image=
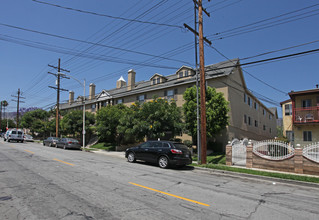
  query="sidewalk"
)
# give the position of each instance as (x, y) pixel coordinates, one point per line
(120, 154)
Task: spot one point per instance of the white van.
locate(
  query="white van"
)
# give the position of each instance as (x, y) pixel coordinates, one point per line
(14, 135)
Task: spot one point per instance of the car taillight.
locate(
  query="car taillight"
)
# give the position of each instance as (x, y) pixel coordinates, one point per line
(175, 151)
(70, 142)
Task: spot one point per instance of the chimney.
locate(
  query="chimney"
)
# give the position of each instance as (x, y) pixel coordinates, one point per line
(120, 83)
(131, 80)
(71, 97)
(92, 91)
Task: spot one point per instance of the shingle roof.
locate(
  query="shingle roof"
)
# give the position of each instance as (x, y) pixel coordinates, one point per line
(221, 69)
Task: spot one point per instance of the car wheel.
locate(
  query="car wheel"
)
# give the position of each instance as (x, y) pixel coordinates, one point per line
(131, 157)
(163, 162)
(8, 140)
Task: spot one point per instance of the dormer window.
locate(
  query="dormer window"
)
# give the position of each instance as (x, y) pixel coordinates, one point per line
(157, 79)
(180, 75)
(186, 73)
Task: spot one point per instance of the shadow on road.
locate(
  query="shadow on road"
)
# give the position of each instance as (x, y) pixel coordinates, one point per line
(171, 167)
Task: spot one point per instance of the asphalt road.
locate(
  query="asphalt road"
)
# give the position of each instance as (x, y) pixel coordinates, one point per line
(38, 182)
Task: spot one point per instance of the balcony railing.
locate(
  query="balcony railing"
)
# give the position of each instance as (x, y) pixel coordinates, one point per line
(306, 115)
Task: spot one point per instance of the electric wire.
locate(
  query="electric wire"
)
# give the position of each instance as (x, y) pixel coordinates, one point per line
(108, 16)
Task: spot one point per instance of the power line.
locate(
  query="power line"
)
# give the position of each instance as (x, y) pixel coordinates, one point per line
(88, 42)
(63, 50)
(275, 51)
(267, 19)
(250, 73)
(108, 16)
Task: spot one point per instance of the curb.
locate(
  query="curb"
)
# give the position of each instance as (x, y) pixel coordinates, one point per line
(274, 180)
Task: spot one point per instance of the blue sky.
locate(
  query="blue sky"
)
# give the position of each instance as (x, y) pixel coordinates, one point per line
(26, 67)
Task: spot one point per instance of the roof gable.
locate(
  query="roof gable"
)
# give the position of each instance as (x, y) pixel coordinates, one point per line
(103, 95)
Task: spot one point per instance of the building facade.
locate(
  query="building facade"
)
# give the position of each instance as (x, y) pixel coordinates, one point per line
(248, 117)
(287, 120)
(305, 116)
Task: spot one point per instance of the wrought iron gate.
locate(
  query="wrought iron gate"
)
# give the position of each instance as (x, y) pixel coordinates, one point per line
(239, 152)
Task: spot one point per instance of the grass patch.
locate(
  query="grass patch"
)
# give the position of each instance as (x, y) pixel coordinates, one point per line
(214, 158)
(261, 173)
(104, 146)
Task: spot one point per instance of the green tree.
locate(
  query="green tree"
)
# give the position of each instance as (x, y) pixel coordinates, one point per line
(216, 112)
(35, 121)
(11, 124)
(107, 120)
(159, 118)
(128, 128)
(72, 124)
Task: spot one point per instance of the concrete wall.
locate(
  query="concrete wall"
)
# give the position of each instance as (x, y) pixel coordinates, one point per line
(295, 164)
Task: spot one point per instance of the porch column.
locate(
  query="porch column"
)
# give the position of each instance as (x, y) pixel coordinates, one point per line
(249, 156)
(298, 160)
(229, 155)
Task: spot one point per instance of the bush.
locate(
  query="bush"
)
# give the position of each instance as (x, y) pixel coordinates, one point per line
(215, 146)
(188, 143)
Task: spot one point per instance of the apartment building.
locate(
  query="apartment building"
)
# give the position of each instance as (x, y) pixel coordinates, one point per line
(305, 116)
(248, 117)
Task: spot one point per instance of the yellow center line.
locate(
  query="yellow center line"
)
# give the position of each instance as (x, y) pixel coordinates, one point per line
(63, 162)
(179, 197)
(29, 151)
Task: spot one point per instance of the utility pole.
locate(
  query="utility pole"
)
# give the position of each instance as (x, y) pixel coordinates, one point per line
(58, 75)
(0, 116)
(18, 104)
(201, 135)
(202, 83)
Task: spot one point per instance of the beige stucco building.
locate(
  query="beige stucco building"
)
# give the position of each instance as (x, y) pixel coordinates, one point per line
(287, 120)
(305, 116)
(248, 117)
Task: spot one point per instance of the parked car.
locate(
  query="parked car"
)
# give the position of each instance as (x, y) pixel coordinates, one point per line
(28, 138)
(164, 153)
(14, 135)
(68, 143)
(51, 141)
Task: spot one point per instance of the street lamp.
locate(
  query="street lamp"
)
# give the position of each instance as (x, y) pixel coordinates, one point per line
(83, 131)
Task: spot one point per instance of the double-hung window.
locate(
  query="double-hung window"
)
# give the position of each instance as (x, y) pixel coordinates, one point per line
(307, 136)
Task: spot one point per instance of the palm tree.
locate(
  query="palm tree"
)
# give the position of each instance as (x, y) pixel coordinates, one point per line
(4, 105)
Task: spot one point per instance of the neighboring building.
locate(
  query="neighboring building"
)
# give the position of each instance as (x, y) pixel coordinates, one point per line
(248, 117)
(305, 116)
(287, 120)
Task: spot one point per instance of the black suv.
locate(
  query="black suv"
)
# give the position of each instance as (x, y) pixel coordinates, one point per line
(164, 153)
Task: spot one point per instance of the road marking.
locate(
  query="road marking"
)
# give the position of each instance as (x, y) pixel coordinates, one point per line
(63, 162)
(179, 197)
(29, 151)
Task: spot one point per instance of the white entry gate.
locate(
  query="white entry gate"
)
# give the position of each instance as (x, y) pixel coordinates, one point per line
(239, 152)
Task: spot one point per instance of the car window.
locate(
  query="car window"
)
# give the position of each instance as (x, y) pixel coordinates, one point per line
(157, 144)
(180, 146)
(165, 145)
(145, 145)
(19, 132)
(13, 132)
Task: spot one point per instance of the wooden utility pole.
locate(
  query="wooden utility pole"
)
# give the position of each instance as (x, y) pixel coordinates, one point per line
(0, 115)
(18, 104)
(58, 75)
(202, 83)
(202, 125)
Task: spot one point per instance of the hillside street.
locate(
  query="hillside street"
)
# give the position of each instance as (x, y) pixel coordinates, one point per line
(38, 182)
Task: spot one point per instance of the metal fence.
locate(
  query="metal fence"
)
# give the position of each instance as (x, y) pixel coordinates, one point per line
(311, 152)
(273, 150)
